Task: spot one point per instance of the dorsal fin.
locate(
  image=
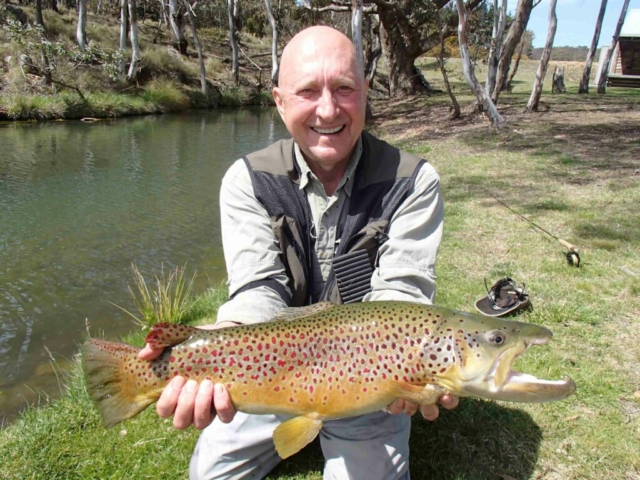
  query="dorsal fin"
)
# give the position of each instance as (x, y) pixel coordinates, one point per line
(296, 313)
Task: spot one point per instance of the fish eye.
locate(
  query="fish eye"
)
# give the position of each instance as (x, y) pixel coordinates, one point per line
(497, 338)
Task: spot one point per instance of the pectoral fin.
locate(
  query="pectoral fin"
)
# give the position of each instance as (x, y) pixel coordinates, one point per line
(292, 435)
(420, 394)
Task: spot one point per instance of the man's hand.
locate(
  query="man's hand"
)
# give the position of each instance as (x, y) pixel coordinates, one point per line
(430, 412)
(191, 403)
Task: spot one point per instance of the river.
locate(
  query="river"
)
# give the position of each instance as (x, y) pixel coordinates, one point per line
(80, 203)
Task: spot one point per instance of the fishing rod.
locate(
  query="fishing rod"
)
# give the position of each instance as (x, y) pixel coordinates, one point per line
(572, 256)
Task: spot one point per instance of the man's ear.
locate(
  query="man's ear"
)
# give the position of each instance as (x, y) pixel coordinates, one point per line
(277, 96)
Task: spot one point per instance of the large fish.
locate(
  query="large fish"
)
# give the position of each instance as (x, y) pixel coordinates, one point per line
(327, 361)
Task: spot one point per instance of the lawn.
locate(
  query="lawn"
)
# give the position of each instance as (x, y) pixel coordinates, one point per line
(572, 169)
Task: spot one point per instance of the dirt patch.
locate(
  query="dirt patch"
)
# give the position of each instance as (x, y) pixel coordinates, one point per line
(595, 136)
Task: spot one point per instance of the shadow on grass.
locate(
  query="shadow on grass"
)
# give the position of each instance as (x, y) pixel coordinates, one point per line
(477, 440)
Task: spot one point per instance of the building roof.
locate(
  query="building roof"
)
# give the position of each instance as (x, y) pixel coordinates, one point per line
(631, 27)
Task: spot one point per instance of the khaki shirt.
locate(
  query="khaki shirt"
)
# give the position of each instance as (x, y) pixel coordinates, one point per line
(406, 262)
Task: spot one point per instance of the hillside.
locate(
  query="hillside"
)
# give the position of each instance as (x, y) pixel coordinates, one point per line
(84, 84)
(565, 54)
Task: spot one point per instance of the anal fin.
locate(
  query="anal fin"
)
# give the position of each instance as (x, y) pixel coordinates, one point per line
(294, 434)
(420, 394)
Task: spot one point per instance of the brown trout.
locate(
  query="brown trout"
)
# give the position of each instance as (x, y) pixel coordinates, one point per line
(327, 361)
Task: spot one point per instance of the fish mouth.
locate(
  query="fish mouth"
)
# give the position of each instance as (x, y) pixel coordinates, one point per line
(503, 383)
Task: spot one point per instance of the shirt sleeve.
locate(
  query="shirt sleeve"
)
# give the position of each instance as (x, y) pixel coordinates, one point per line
(406, 261)
(251, 251)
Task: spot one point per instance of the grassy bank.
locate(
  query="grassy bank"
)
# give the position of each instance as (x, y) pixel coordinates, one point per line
(573, 170)
(167, 81)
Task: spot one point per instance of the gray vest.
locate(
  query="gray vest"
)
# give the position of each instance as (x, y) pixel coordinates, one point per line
(383, 179)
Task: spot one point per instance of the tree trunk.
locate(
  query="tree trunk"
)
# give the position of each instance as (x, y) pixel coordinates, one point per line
(39, 17)
(441, 60)
(164, 13)
(196, 43)
(488, 106)
(604, 72)
(404, 78)
(356, 30)
(274, 42)
(536, 92)
(514, 70)
(519, 25)
(499, 22)
(558, 80)
(135, 47)
(175, 20)
(123, 39)
(53, 5)
(233, 40)
(586, 74)
(81, 31)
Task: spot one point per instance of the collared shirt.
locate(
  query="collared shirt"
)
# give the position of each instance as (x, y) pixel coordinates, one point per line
(406, 261)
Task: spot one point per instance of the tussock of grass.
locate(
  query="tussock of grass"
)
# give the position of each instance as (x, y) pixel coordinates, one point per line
(166, 95)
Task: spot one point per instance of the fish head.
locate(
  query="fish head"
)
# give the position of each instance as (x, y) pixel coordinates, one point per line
(481, 352)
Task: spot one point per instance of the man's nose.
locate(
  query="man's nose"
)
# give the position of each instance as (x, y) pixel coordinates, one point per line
(327, 107)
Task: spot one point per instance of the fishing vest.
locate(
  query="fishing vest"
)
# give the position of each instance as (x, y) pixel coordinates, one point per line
(383, 179)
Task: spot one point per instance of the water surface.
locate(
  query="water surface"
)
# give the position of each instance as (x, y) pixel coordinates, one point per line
(80, 202)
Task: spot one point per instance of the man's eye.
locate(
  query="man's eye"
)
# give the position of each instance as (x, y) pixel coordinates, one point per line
(345, 89)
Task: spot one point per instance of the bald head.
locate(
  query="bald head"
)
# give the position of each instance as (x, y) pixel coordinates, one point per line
(314, 43)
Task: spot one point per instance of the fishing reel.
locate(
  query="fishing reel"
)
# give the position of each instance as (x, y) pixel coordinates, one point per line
(573, 258)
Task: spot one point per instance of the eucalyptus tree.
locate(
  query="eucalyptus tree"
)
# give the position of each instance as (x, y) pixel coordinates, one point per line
(175, 20)
(81, 30)
(499, 23)
(274, 41)
(356, 30)
(586, 73)
(536, 92)
(233, 39)
(517, 28)
(124, 15)
(135, 46)
(481, 96)
(196, 42)
(604, 69)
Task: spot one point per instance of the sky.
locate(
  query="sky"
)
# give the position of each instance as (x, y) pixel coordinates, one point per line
(576, 21)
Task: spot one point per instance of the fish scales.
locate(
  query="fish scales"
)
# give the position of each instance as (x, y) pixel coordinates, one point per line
(326, 362)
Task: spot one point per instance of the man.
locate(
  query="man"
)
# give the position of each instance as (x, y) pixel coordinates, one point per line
(287, 213)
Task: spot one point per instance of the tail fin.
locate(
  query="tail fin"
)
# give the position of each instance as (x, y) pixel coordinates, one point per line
(118, 382)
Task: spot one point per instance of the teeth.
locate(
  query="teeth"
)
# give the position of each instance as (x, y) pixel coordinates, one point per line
(324, 131)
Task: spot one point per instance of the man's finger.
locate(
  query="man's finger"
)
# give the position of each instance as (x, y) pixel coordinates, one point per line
(169, 398)
(222, 402)
(410, 408)
(202, 416)
(429, 412)
(396, 407)
(448, 401)
(148, 353)
(183, 416)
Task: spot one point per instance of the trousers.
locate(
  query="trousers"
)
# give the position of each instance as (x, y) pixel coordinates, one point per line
(369, 447)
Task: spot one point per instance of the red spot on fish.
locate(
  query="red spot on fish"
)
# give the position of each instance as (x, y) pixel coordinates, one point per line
(276, 388)
(172, 359)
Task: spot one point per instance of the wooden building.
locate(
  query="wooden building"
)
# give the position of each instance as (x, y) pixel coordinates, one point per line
(624, 70)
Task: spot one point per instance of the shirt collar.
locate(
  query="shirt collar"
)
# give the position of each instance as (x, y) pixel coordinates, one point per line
(306, 175)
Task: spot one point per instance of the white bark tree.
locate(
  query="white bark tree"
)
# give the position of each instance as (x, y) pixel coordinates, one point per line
(123, 39)
(602, 83)
(135, 46)
(196, 42)
(586, 73)
(482, 98)
(233, 40)
(274, 42)
(517, 28)
(81, 30)
(175, 20)
(536, 92)
(499, 23)
(356, 30)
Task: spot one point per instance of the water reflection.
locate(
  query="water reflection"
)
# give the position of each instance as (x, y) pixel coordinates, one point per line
(80, 202)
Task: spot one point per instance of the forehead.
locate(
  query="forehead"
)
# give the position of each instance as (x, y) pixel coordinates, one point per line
(313, 61)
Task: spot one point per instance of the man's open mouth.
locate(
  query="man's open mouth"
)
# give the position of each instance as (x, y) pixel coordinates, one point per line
(328, 131)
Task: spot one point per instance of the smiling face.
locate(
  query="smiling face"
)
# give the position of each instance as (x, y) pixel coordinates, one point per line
(321, 97)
